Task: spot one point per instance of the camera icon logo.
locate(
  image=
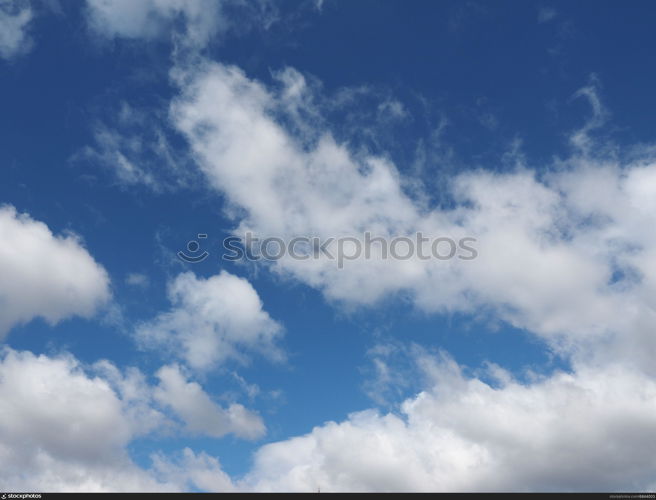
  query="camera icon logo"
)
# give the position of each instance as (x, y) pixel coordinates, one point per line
(193, 247)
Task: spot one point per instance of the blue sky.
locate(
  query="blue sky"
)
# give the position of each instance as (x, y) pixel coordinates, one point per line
(128, 128)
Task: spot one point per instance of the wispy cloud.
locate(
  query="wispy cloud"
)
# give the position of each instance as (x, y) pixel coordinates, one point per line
(15, 18)
(546, 14)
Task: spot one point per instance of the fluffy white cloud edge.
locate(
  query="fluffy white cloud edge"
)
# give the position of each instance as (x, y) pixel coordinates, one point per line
(200, 414)
(553, 256)
(66, 426)
(589, 430)
(45, 275)
(212, 320)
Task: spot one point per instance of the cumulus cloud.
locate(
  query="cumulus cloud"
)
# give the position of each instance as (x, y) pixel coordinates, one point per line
(551, 259)
(554, 257)
(68, 430)
(590, 429)
(200, 414)
(212, 320)
(66, 426)
(585, 431)
(15, 17)
(45, 275)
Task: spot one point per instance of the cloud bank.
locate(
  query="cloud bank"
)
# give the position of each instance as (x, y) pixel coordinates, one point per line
(582, 431)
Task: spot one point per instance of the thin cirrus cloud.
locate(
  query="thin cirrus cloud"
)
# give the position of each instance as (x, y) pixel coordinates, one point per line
(134, 146)
(15, 18)
(45, 275)
(546, 14)
(150, 19)
(203, 21)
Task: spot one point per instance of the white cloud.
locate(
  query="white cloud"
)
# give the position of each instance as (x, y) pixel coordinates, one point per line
(197, 471)
(543, 262)
(554, 257)
(151, 19)
(546, 14)
(138, 280)
(200, 414)
(15, 17)
(44, 275)
(62, 430)
(118, 152)
(212, 320)
(67, 427)
(586, 431)
(582, 139)
(190, 24)
(132, 146)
